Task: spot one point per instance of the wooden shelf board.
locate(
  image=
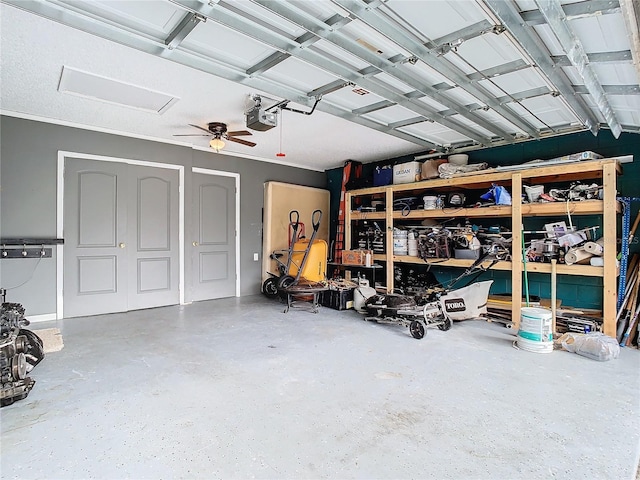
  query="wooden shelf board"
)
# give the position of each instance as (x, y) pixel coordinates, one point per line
(584, 270)
(561, 269)
(492, 211)
(355, 215)
(448, 262)
(565, 172)
(584, 207)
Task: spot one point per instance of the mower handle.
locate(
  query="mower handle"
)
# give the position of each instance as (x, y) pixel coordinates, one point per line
(316, 223)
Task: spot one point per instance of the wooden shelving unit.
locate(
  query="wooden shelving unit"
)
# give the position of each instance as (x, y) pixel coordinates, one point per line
(602, 171)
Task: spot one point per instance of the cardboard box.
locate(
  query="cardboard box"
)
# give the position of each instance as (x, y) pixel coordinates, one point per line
(355, 257)
(407, 172)
(430, 168)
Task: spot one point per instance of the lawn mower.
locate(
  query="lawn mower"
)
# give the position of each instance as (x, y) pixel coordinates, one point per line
(439, 309)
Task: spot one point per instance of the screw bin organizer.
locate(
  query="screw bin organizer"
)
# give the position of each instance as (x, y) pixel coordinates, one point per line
(605, 171)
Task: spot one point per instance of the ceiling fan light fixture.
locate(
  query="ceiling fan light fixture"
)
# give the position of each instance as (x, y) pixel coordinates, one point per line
(216, 144)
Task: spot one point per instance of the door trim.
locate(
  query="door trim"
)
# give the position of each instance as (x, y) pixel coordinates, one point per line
(62, 156)
(236, 176)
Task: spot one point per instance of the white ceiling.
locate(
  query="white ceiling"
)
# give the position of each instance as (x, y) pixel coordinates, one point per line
(443, 75)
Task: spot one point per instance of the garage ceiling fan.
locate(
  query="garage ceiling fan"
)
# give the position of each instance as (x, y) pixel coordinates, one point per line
(218, 131)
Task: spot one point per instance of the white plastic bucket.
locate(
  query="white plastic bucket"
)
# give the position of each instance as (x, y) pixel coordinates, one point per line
(412, 245)
(535, 333)
(400, 242)
(430, 202)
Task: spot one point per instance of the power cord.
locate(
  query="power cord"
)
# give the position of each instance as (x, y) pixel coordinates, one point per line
(30, 276)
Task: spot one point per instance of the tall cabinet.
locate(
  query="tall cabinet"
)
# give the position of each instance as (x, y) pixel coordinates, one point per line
(604, 172)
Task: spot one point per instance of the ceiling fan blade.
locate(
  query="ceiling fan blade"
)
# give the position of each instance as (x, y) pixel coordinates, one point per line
(243, 142)
(192, 135)
(201, 128)
(239, 133)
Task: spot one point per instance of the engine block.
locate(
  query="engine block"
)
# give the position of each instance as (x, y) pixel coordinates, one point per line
(20, 351)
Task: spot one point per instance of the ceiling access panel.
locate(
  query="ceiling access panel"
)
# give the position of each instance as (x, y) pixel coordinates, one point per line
(218, 42)
(434, 19)
(153, 18)
(436, 133)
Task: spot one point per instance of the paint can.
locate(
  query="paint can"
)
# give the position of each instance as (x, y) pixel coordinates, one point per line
(535, 333)
(430, 202)
(400, 242)
(412, 243)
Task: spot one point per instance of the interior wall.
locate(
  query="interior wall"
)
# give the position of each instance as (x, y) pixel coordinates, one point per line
(585, 292)
(28, 176)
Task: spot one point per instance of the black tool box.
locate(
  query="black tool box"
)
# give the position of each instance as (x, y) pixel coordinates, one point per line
(341, 299)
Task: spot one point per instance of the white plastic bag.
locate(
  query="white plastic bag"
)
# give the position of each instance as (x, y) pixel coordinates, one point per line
(596, 346)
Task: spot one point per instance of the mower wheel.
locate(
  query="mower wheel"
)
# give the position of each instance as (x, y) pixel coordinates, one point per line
(417, 329)
(270, 287)
(446, 325)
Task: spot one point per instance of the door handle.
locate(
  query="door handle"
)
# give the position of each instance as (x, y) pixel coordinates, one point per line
(122, 245)
(195, 244)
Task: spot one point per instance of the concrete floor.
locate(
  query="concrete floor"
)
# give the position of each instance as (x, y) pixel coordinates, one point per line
(235, 388)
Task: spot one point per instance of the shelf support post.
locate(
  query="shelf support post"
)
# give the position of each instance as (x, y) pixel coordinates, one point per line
(516, 243)
(389, 237)
(610, 248)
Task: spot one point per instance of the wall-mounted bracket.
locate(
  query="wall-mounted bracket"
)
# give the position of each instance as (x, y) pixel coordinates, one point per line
(25, 252)
(27, 247)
